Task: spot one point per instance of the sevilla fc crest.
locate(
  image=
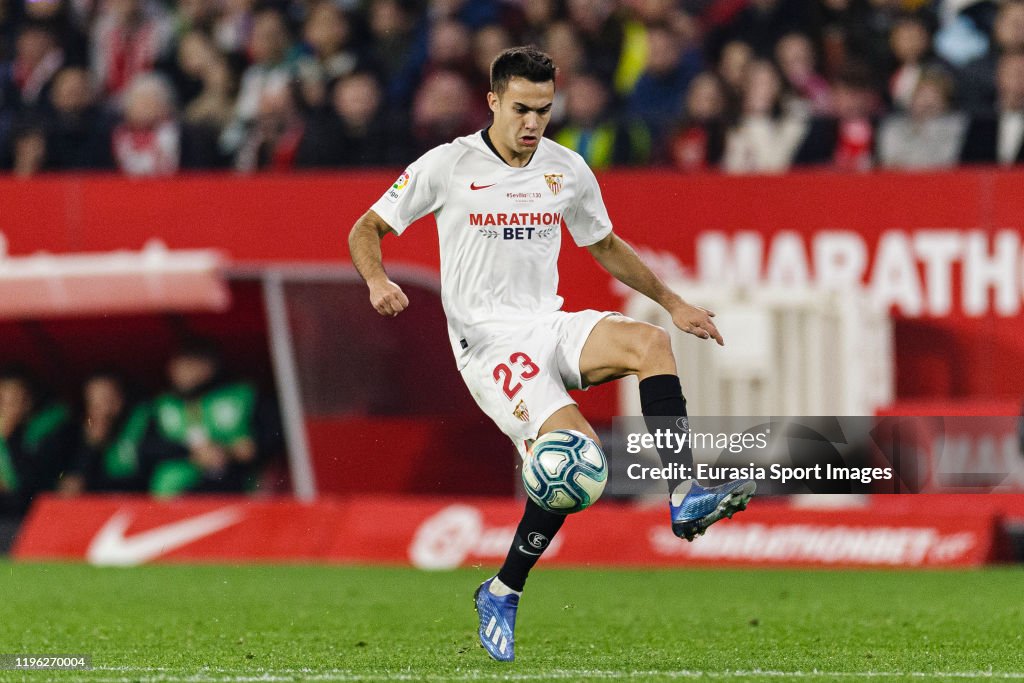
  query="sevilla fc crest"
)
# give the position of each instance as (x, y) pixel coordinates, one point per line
(521, 412)
(554, 181)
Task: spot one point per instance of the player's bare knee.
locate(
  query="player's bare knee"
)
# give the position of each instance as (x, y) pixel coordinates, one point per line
(656, 350)
(646, 349)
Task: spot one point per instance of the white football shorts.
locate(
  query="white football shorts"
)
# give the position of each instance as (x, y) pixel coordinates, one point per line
(522, 372)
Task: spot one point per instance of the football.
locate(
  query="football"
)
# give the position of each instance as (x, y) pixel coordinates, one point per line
(565, 471)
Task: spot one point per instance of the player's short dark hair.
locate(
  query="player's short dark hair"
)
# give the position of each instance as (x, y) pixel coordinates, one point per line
(521, 62)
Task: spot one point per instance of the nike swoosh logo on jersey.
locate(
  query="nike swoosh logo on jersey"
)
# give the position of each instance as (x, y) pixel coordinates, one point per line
(474, 186)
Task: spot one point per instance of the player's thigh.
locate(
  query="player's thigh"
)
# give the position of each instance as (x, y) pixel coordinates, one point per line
(517, 384)
(619, 346)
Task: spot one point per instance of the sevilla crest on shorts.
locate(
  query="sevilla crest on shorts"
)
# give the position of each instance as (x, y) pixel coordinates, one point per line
(554, 181)
(521, 412)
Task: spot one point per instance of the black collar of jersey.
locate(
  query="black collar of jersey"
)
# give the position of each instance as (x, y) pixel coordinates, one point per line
(487, 140)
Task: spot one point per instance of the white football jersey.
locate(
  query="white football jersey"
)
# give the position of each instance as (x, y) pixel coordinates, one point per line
(499, 228)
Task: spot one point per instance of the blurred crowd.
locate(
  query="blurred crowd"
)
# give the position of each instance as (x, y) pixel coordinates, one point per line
(154, 87)
(205, 433)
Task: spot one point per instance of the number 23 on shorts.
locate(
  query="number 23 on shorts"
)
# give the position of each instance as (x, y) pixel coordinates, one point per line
(505, 374)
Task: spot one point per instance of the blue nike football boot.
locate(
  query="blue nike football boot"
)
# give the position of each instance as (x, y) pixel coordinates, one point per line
(497, 621)
(701, 507)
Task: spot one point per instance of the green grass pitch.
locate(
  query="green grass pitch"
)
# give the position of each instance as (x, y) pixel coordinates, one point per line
(294, 623)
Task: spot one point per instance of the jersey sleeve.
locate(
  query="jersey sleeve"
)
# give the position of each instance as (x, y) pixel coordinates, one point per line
(588, 220)
(418, 191)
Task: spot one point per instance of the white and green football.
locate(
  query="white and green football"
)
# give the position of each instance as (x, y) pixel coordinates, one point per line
(565, 471)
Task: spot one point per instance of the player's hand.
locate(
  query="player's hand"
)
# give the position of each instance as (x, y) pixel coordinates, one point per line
(697, 321)
(388, 298)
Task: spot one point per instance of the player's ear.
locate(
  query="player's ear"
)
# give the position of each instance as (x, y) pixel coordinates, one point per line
(492, 101)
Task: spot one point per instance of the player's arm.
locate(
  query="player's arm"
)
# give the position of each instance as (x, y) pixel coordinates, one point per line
(623, 263)
(364, 247)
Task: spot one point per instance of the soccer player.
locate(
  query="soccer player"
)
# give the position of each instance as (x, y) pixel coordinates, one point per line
(500, 198)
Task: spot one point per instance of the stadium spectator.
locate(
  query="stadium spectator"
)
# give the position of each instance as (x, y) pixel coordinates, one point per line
(600, 33)
(732, 69)
(488, 42)
(194, 15)
(207, 433)
(449, 52)
(633, 55)
(929, 134)
(997, 138)
(392, 48)
(102, 445)
(427, 45)
(271, 53)
(769, 132)
(327, 35)
(883, 15)
(794, 54)
(147, 142)
(700, 141)
(64, 24)
(390, 26)
(472, 13)
(128, 38)
(637, 20)
(29, 153)
(964, 31)
(977, 84)
(844, 140)
(450, 49)
(212, 108)
(911, 46)
(24, 80)
(595, 133)
(846, 35)
(654, 12)
(443, 111)
(357, 130)
(8, 24)
(221, 54)
(538, 16)
(761, 24)
(233, 29)
(191, 58)
(26, 467)
(566, 49)
(78, 131)
(37, 59)
(272, 142)
(657, 97)
(16, 402)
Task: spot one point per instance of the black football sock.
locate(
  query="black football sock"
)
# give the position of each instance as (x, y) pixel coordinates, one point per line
(534, 534)
(661, 396)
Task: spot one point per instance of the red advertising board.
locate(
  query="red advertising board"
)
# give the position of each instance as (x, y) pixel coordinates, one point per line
(942, 250)
(433, 533)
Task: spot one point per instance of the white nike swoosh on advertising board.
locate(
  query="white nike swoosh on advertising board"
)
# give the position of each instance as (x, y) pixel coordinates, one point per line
(110, 547)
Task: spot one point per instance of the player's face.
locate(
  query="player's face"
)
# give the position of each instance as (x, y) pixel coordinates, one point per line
(521, 114)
